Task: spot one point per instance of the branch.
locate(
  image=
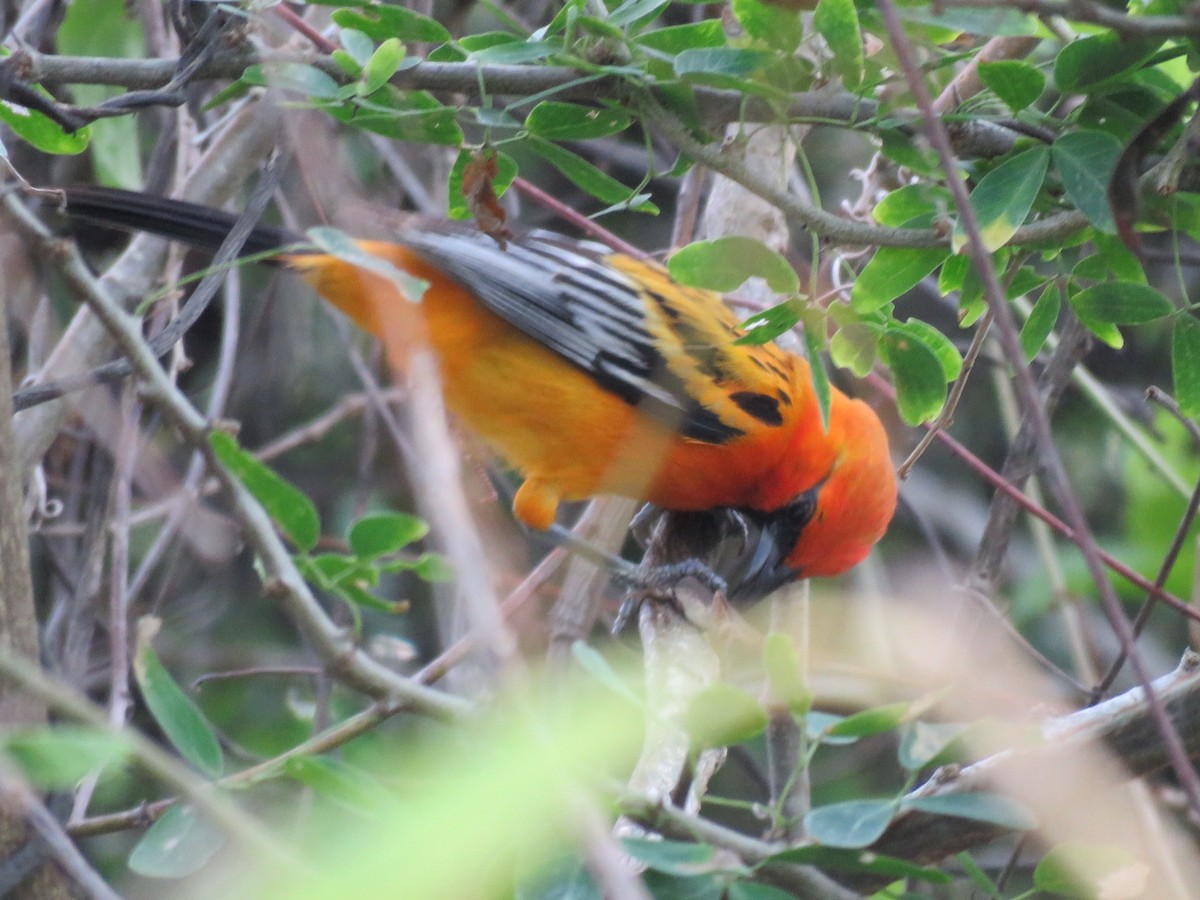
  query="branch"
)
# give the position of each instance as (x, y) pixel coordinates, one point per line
(1057, 478)
(249, 137)
(716, 107)
(1124, 725)
(335, 645)
(333, 737)
(152, 758)
(1096, 14)
(672, 822)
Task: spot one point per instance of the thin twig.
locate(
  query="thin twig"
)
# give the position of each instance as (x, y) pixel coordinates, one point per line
(998, 481)
(54, 839)
(946, 417)
(1027, 390)
(1125, 725)
(582, 222)
(335, 646)
(253, 835)
(337, 735)
(1168, 564)
(1097, 14)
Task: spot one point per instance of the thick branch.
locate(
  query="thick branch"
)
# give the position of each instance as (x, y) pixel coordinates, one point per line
(1097, 14)
(716, 107)
(1123, 725)
(334, 644)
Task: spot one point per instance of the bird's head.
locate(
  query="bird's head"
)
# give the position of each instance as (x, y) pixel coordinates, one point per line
(831, 522)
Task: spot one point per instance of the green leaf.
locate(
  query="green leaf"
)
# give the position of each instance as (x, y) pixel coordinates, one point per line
(858, 861)
(562, 878)
(285, 503)
(103, 28)
(724, 265)
(382, 65)
(293, 76)
(401, 115)
(1118, 259)
(977, 875)
(722, 715)
(837, 22)
(1085, 161)
(674, 39)
(709, 886)
(329, 571)
(57, 757)
(998, 22)
(853, 824)
(854, 346)
(917, 373)
(785, 673)
(378, 535)
(587, 177)
(817, 725)
(334, 779)
(1120, 303)
(731, 62)
(1004, 197)
(1014, 81)
(670, 857)
(771, 323)
(358, 45)
(776, 26)
(942, 346)
(349, 577)
(1076, 869)
(1185, 364)
(515, 53)
(870, 722)
(814, 343)
(506, 172)
(954, 274)
(891, 272)
(177, 845)
(47, 135)
(178, 717)
(433, 567)
(1088, 61)
(983, 807)
(380, 22)
(914, 205)
(632, 11)
(751, 890)
(1041, 321)
(557, 121)
(923, 742)
(596, 665)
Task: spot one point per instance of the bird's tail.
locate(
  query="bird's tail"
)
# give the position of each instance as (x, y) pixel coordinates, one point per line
(191, 223)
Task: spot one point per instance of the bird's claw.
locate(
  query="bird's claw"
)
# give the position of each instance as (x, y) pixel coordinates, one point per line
(661, 581)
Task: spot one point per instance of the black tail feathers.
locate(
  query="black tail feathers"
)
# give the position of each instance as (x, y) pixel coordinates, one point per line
(179, 220)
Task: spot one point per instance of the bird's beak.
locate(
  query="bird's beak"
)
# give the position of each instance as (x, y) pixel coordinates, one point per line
(750, 557)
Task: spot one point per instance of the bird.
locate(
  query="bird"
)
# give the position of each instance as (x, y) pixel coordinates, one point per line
(593, 372)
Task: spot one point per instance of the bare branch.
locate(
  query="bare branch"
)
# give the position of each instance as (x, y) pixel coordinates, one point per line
(1124, 725)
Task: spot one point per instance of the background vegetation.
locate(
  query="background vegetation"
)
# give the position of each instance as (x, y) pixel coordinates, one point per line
(319, 659)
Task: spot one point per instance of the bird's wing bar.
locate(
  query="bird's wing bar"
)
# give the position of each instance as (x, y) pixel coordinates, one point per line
(563, 295)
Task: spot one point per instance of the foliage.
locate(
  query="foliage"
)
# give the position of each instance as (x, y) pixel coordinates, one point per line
(1073, 147)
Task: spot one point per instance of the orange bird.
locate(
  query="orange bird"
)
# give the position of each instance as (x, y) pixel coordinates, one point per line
(593, 372)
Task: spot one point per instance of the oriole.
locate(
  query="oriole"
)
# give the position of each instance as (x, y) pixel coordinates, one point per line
(594, 372)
